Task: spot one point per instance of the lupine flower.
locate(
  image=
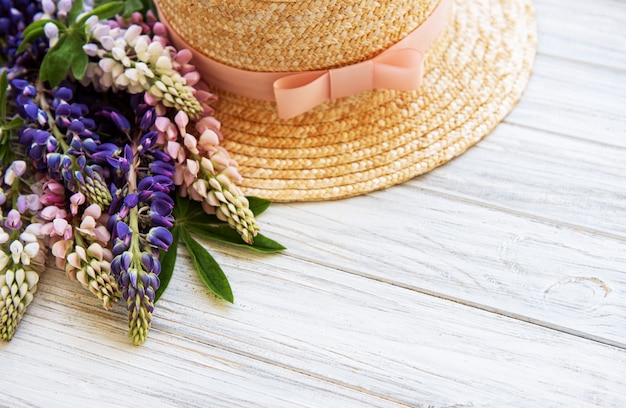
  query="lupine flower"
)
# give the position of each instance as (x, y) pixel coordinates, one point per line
(141, 213)
(92, 183)
(22, 256)
(84, 252)
(207, 173)
(131, 60)
(15, 15)
(60, 137)
(17, 286)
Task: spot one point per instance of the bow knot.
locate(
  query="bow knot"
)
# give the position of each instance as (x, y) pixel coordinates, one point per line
(400, 69)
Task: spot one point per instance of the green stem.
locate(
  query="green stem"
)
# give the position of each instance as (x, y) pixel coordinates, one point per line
(133, 222)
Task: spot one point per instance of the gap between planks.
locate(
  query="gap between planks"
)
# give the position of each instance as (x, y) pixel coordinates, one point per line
(464, 302)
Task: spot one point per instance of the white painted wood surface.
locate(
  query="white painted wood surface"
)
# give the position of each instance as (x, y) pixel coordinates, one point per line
(497, 280)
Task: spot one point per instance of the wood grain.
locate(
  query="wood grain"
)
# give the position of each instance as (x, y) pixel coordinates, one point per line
(343, 340)
(497, 280)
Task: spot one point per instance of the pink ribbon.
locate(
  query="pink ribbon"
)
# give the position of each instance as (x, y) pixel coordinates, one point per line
(400, 67)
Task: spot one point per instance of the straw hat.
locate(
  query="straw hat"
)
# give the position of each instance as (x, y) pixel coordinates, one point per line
(452, 70)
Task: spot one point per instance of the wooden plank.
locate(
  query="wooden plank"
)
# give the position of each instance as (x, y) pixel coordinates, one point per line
(68, 352)
(298, 329)
(555, 275)
(545, 175)
(417, 296)
(577, 30)
(578, 86)
(575, 99)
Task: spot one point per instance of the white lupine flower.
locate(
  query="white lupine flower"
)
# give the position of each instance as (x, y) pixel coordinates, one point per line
(115, 32)
(91, 21)
(132, 74)
(141, 45)
(4, 237)
(106, 80)
(64, 7)
(122, 81)
(16, 249)
(31, 249)
(48, 6)
(9, 177)
(107, 64)
(143, 69)
(107, 42)
(51, 31)
(19, 167)
(4, 260)
(155, 49)
(164, 63)
(135, 88)
(117, 70)
(118, 53)
(99, 31)
(132, 34)
(28, 237)
(91, 49)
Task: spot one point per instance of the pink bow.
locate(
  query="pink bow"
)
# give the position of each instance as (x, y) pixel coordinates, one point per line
(400, 69)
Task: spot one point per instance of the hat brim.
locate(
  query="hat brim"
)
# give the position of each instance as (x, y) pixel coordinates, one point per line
(476, 72)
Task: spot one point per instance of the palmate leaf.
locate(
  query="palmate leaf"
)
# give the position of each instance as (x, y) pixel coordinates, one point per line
(225, 234)
(36, 30)
(191, 219)
(190, 215)
(105, 11)
(60, 58)
(68, 52)
(79, 64)
(77, 8)
(132, 6)
(209, 270)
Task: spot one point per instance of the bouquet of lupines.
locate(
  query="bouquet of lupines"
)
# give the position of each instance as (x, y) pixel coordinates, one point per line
(109, 156)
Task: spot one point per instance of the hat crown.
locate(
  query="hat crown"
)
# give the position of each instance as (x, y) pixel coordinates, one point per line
(294, 35)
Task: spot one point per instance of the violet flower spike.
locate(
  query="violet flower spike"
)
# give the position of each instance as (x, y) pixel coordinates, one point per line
(141, 213)
(61, 140)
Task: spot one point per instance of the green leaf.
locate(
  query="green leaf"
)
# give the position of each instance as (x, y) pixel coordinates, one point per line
(32, 36)
(208, 268)
(186, 209)
(258, 205)
(225, 234)
(105, 11)
(79, 64)
(36, 30)
(15, 123)
(59, 59)
(4, 86)
(77, 8)
(38, 25)
(168, 261)
(131, 6)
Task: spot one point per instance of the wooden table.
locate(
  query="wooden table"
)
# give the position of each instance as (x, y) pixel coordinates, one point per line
(497, 280)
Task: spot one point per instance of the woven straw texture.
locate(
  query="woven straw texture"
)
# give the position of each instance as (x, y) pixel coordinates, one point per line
(476, 72)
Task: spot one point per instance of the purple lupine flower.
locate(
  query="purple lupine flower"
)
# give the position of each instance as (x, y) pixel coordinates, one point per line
(13, 220)
(15, 15)
(160, 237)
(49, 117)
(140, 215)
